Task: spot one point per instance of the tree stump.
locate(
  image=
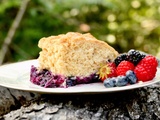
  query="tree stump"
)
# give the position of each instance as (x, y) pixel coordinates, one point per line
(137, 104)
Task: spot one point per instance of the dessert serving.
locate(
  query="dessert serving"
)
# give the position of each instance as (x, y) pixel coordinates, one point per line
(70, 59)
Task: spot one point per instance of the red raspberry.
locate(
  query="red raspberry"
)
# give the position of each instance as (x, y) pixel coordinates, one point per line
(107, 71)
(146, 69)
(113, 70)
(123, 67)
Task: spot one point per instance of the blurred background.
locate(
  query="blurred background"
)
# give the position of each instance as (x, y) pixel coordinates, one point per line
(124, 24)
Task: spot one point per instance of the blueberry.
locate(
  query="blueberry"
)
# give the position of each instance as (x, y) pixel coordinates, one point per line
(121, 81)
(71, 81)
(109, 82)
(131, 77)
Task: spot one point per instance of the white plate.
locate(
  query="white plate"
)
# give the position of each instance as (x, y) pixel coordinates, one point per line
(16, 76)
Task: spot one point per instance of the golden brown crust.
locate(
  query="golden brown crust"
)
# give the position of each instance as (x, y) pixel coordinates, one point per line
(74, 54)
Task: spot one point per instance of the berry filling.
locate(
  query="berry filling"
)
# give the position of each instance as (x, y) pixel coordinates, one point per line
(47, 79)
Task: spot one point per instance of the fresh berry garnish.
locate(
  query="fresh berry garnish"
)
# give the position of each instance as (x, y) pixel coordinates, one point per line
(132, 67)
(106, 71)
(113, 70)
(132, 79)
(123, 67)
(135, 56)
(146, 69)
(121, 81)
(121, 58)
(109, 82)
(115, 81)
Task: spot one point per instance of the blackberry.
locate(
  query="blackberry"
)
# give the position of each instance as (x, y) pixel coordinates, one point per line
(135, 56)
(120, 58)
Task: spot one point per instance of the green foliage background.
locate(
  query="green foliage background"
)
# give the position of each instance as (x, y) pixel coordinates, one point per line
(124, 24)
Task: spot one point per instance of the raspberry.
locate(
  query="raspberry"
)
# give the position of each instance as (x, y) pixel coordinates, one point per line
(123, 67)
(146, 69)
(113, 70)
(107, 71)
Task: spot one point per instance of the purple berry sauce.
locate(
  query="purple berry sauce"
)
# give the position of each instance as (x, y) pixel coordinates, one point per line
(45, 78)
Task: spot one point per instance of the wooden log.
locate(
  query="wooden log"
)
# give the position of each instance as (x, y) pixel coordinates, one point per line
(11, 99)
(142, 103)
